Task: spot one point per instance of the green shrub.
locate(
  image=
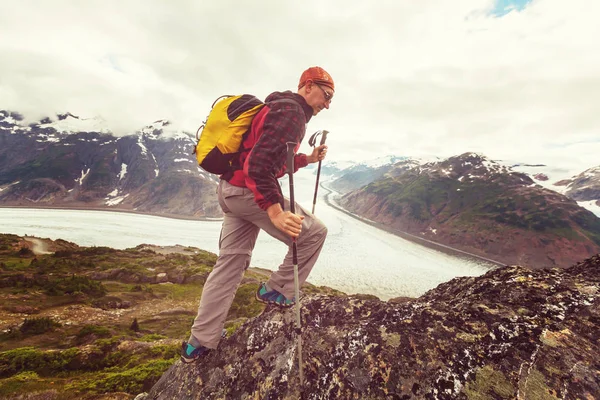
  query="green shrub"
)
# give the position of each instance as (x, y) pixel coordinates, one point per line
(107, 345)
(38, 325)
(135, 380)
(26, 252)
(152, 337)
(99, 331)
(63, 254)
(97, 251)
(245, 303)
(165, 351)
(73, 285)
(42, 362)
(25, 382)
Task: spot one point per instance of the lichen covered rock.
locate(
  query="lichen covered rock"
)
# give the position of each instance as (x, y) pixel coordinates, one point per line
(511, 333)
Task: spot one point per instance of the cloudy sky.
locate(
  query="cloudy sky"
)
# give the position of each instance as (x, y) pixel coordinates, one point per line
(515, 80)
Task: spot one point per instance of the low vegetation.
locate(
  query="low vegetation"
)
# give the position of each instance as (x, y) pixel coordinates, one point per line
(502, 203)
(82, 323)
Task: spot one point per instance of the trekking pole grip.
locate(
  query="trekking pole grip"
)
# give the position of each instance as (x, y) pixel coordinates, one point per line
(324, 137)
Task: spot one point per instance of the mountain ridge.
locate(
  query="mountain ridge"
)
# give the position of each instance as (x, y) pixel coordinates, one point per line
(148, 171)
(480, 206)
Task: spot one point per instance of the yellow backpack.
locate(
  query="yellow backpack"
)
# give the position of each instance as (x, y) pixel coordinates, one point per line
(220, 136)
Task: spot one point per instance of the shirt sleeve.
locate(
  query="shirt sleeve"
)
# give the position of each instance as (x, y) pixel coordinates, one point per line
(283, 124)
(300, 161)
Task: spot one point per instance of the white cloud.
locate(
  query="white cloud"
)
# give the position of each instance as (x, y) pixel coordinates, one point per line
(412, 78)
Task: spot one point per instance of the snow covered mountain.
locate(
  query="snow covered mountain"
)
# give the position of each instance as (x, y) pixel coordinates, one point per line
(585, 187)
(348, 176)
(582, 187)
(78, 163)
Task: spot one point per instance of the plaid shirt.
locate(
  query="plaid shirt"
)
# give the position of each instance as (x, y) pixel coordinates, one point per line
(263, 158)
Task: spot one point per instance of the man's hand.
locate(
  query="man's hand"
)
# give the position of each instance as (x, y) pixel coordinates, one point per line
(318, 154)
(285, 221)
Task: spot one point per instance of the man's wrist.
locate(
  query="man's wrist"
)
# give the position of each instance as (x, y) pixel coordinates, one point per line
(274, 210)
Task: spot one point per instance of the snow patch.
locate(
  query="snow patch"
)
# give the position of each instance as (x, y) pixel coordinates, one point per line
(116, 200)
(83, 176)
(142, 146)
(10, 184)
(47, 138)
(590, 205)
(73, 124)
(380, 161)
(123, 171)
(182, 160)
(341, 165)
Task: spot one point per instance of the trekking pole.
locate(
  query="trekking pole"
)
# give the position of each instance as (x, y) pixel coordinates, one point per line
(290, 169)
(312, 141)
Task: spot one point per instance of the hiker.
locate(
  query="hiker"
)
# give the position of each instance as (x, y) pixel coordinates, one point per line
(251, 200)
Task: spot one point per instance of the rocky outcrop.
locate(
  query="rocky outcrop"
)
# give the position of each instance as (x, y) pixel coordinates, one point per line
(511, 333)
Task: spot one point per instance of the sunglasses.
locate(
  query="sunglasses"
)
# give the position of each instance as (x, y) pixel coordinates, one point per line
(328, 96)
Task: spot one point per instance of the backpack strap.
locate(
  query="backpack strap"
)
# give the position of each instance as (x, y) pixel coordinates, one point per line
(290, 101)
(234, 167)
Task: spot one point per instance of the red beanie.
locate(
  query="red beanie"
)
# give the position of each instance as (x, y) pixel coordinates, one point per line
(317, 75)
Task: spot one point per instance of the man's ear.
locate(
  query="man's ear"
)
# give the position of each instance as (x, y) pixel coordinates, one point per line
(310, 85)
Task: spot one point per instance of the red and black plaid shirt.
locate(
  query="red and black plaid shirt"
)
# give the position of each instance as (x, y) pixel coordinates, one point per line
(263, 159)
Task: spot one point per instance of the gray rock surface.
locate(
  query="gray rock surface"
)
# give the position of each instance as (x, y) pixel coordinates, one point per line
(511, 333)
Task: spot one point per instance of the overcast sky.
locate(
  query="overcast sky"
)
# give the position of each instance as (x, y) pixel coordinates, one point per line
(514, 80)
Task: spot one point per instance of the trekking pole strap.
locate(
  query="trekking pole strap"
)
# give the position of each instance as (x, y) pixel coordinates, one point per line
(312, 141)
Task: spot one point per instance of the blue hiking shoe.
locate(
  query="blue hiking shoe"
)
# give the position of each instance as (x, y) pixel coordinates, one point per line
(189, 353)
(273, 297)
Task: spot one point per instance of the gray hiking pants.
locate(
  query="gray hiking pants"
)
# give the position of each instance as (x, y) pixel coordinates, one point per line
(243, 220)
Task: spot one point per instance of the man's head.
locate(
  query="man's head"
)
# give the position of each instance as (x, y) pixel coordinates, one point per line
(317, 88)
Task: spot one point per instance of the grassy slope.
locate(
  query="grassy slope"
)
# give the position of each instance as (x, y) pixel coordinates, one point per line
(487, 205)
(64, 333)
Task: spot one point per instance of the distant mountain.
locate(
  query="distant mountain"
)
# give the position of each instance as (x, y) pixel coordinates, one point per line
(346, 177)
(477, 205)
(583, 187)
(76, 163)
